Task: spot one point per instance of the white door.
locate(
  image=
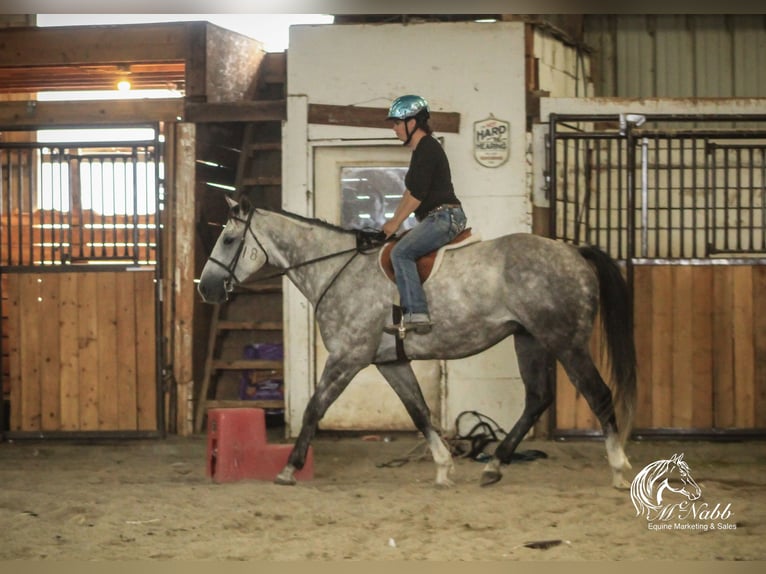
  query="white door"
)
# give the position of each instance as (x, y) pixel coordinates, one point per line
(359, 186)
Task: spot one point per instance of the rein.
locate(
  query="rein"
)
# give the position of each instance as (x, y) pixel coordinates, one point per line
(365, 242)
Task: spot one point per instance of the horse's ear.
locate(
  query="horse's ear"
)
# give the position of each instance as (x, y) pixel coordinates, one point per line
(244, 204)
(231, 202)
(676, 458)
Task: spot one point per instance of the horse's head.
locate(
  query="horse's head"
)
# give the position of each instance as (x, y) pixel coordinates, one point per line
(656, 480)
(678, 478)
(236, 255)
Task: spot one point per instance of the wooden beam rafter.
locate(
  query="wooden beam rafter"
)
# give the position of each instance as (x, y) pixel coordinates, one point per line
(32, 114)
(359, 116)
(249, 111)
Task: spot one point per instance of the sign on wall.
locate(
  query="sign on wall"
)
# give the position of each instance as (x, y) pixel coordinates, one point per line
(491, 141)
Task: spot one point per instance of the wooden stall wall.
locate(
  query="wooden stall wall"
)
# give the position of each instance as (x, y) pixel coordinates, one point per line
(701, 344)
(83, 357)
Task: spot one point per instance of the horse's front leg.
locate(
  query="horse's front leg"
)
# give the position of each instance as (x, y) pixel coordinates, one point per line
(335, 378)
(402, 379)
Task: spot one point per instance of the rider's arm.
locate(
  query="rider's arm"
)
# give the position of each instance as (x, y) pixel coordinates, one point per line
(407, 204)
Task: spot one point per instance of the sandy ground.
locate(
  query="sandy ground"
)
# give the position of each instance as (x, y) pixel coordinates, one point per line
(151, 500)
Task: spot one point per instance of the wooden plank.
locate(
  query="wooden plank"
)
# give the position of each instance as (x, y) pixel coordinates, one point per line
(146, 350)
(50, 114)
(682, 346)
(229, 325)
(30, 343)
(248, 111)
(358, 116)
(244, 364)
(107, 341)
(68, 345)
(125, 351)
(232, 404)
(723, 348)
(644, 333)
(744, 353)
(702, 358)
(759, 344)
(12, 307)
(87, 327)
(73, 45)
(662, 347)
(50, 359)
(207, 373)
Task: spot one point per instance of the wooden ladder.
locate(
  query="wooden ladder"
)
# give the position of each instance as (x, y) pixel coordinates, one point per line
(259, 176)
(215, 365)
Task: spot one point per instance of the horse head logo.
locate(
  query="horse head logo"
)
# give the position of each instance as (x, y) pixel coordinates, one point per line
(660, 479)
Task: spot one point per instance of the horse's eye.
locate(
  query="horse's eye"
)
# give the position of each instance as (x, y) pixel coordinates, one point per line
(228, 240)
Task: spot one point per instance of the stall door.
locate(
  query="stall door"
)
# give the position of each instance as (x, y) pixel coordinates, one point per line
(356, 186)
(82, 352)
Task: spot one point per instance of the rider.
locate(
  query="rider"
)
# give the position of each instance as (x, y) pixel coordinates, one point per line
(430, 194)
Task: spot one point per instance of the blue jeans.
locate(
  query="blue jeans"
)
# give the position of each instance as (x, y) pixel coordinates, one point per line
(432, 232)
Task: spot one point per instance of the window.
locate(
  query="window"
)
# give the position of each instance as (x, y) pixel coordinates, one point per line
(370, 195)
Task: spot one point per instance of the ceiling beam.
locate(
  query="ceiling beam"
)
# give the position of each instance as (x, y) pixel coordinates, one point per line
(82, 45)
(33, 115)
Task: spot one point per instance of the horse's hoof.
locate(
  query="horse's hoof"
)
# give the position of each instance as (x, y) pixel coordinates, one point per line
(621, 484)
(285, 478)
(284, 481)
(489, 477)
(444, 483)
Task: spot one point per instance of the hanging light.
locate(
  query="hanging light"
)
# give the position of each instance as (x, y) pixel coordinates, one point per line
(123, 82)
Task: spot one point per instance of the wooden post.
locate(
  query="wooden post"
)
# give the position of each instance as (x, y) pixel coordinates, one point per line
(183, 273)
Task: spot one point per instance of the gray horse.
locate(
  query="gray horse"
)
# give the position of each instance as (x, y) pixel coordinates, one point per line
(544, 293)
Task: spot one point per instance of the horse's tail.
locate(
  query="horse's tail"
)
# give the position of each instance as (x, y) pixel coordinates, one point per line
(617, 323)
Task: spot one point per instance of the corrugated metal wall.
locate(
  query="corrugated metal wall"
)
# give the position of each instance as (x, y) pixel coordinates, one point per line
(687, 55)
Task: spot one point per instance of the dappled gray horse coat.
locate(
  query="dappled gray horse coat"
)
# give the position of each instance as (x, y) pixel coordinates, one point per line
(545, 293)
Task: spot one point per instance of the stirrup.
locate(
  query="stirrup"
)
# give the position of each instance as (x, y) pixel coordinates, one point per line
(421, 327)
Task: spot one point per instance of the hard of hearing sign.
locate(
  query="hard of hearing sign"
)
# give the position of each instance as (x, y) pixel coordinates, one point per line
(491, 141)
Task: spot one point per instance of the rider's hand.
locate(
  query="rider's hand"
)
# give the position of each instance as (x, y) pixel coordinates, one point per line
(389, 228)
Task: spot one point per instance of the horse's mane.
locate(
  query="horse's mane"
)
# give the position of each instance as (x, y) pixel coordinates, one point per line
(642, 489)
(311, 220)
(245, 206)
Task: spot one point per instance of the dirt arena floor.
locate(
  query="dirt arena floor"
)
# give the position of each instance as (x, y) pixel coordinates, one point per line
(151, 500)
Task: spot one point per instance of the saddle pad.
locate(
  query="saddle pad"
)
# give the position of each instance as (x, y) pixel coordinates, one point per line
(430, 262)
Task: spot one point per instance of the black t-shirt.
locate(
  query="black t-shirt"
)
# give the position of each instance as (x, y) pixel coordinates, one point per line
(429, 178)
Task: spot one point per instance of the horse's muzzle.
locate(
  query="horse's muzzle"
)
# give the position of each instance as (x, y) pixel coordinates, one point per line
(215, 295)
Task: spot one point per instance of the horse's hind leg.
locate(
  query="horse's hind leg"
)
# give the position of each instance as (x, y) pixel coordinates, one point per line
(534, 363)
(402, 379)
(586, 378)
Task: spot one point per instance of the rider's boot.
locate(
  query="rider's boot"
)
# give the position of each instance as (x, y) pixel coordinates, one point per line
(419, 323)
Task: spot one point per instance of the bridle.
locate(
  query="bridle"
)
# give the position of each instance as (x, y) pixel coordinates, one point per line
(232, 281)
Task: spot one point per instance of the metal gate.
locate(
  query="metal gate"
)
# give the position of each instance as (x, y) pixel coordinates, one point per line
(79, 265)
(681, 203)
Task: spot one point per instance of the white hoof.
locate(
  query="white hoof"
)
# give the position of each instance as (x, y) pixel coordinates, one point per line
(286, 477)
(618, 481)
(442, 475)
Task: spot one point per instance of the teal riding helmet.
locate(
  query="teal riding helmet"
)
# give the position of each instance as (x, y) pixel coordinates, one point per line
(408, 106)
